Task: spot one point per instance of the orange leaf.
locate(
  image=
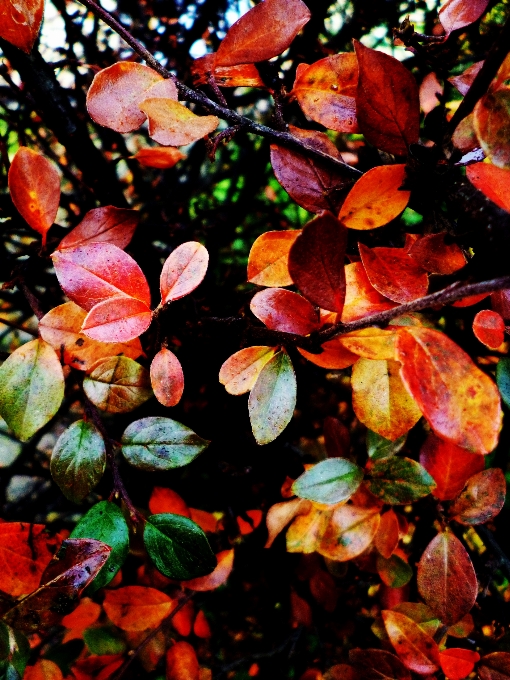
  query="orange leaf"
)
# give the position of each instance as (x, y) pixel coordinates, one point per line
(240, 371)
(162, 158)
(461, 403)
(350, 531)
(165, 500)
(240, 75)
(433, 255)
(375, 199)
(115, 94)
(281, 514)
(458, 663)
(97, 667)
(492, 126)
(172, 124)
(387, 102)
(201, 626)
(269, 257)
(117, 319)
(246, 527)
(183, 271)
(416, 649)
(108, 224)
(61, 328)
(334, 356)
(455, 14)
(44, 669)
(326, 91)
(85, 614)
(20, 22)
(265, 31)
(95, 272)
(371, 343)
(393, 273)
(449, 465)
(137, 608)
(282, 310)
(183, 619)
(217, 577)
(386, 539)
(489, 328)
(167, 378)
(34, 183)
(361, 298)
(470, 300)
(482, 499)
(205, 520)
(316, 262)
(182, 662)
(494, 182)
(446, 578)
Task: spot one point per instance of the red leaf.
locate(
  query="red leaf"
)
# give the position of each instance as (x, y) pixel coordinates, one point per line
(446, 578)
(387, 101)
(494, 182)
(500, 301)
(482, 499)
(337, 438)
(495, 666)
(182, 662)
(108, 224)
(449, 465)
(165, 500)
(282, 310)
(117, 319)
(386, 539)
(433, 255)
(455, 14)
(458, 663)
(201, 626)
(167, 378)
(34, 183)
(316, 262)
(376, 664)
(240, 75)
(361, 298)
(489, 328)
(98, 271)
(263, 32)
(334, 356)
(416, 649)
(393, 273)
(465, 79)
(20, 22)
(183, 271)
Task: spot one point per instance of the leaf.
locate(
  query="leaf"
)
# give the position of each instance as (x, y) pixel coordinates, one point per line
(388, 534)
(61, 328)
(31, 388)
(465, 79)
(376, 664)
(183, 271)
(326, 91)
(34, 185)
(265, 31)
(115, 94)
(20, 22)
(165, 500)
(201, 626)
(105, 522)
(455, 14)
(217, 578)
(380, 447)
(394, 274)
(337, 438)
(446, 578)
(430, 90)
(25, 551)
(416, 649)
(137, 608)
(178, 547)
(84, 616)
(156, 443)
(464, 137)
(167, 378)
(458, 663)
(434, 255)
(272, 399)
(492, 126)
(182, 662)
(489, 328)
(449, 465)
(117, 384)
(281, 514)
(399, 481)
(103, 640)
(500, 302)
(157, 157)
(503, 379)
(282, 310)
(172, 124)
(95, 272)
(44, 669)
(313, 184)
(14, 653)
(117, 319)
(387, 102)
(103, 225)
(240, 371)
(240, 75)
(494, 182)
(350, 531)
(482, 499)
(78, 460)
(269, 257)
(371, 343)
(361, 298)
(495, 666)
(334, 355)
(394, 572)
(460, 402)
(330, 481)
(74, 566)
(376, 198)
(420, 614)
(380, 400)
(316, 262)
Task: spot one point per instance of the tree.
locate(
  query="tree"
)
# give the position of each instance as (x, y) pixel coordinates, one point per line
(365, 186)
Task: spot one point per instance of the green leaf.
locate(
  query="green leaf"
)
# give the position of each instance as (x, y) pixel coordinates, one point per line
(399, 481)
(503, 380)
(78, 460)
(380, 447)
(273, 399)
(394, 572)
(178, 547)
(331, 481)
(160, 444)
(14, 653)
(105, 522)
(104, 640)
(31, 388)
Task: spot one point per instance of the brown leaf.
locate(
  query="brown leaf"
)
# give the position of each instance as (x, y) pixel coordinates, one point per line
(435, 256)
(416, 649)
(172, 124)
(482, 499)
(20, 22)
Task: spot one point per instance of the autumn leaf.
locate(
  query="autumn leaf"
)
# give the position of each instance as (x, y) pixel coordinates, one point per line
(430, 90)
(183, 271)
(458, 663)
(238, 75)
(495, 666)
(269, 257)
(492, 126)
(349, 532)
(330, 481)
(377, 664)
(218, 577)
(337, 438)
(282, 310)
(361, 298)
(135, 608)
(398, 481)
(482, 498)
(240, 371)
(25, 552)
(371, 343)
(172, 124)
(281, 514)
(117, 384)
(20, 22)
(117, 319)
(494, 182)
(464, 80)
(44, 669)
(167, 377)
(455, 14)
(489, 328)
(334, 355)
(394, 571)
(434, 255)
(387, 537)
(394, 274)
(182, 662)
(156, 157)
(416, 649)
(100, 225)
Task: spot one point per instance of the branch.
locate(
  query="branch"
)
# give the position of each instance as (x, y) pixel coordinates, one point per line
(275, 136)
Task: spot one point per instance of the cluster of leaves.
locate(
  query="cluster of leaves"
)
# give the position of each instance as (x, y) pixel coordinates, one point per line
(426, 413)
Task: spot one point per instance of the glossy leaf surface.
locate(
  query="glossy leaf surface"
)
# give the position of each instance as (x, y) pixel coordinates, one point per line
(134, 608)
(433, 254)
(167, 377)
(371, 343)
(330, 481)
(489, 328)
(183, 271)
(361, 298)
(240, 371)
(387, 536)
(455, 14)
(416, 649)
(172, 124)
(394, 274)
(349, 532)
(117, 319)
(482, 499)
(399, 481)
(117, 385)
(380, 447)
(458, 663)
(269, 258)
(494, 182)
(100, 225)
(283, 310)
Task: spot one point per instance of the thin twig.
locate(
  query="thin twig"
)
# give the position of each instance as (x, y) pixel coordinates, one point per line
(18, 327)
